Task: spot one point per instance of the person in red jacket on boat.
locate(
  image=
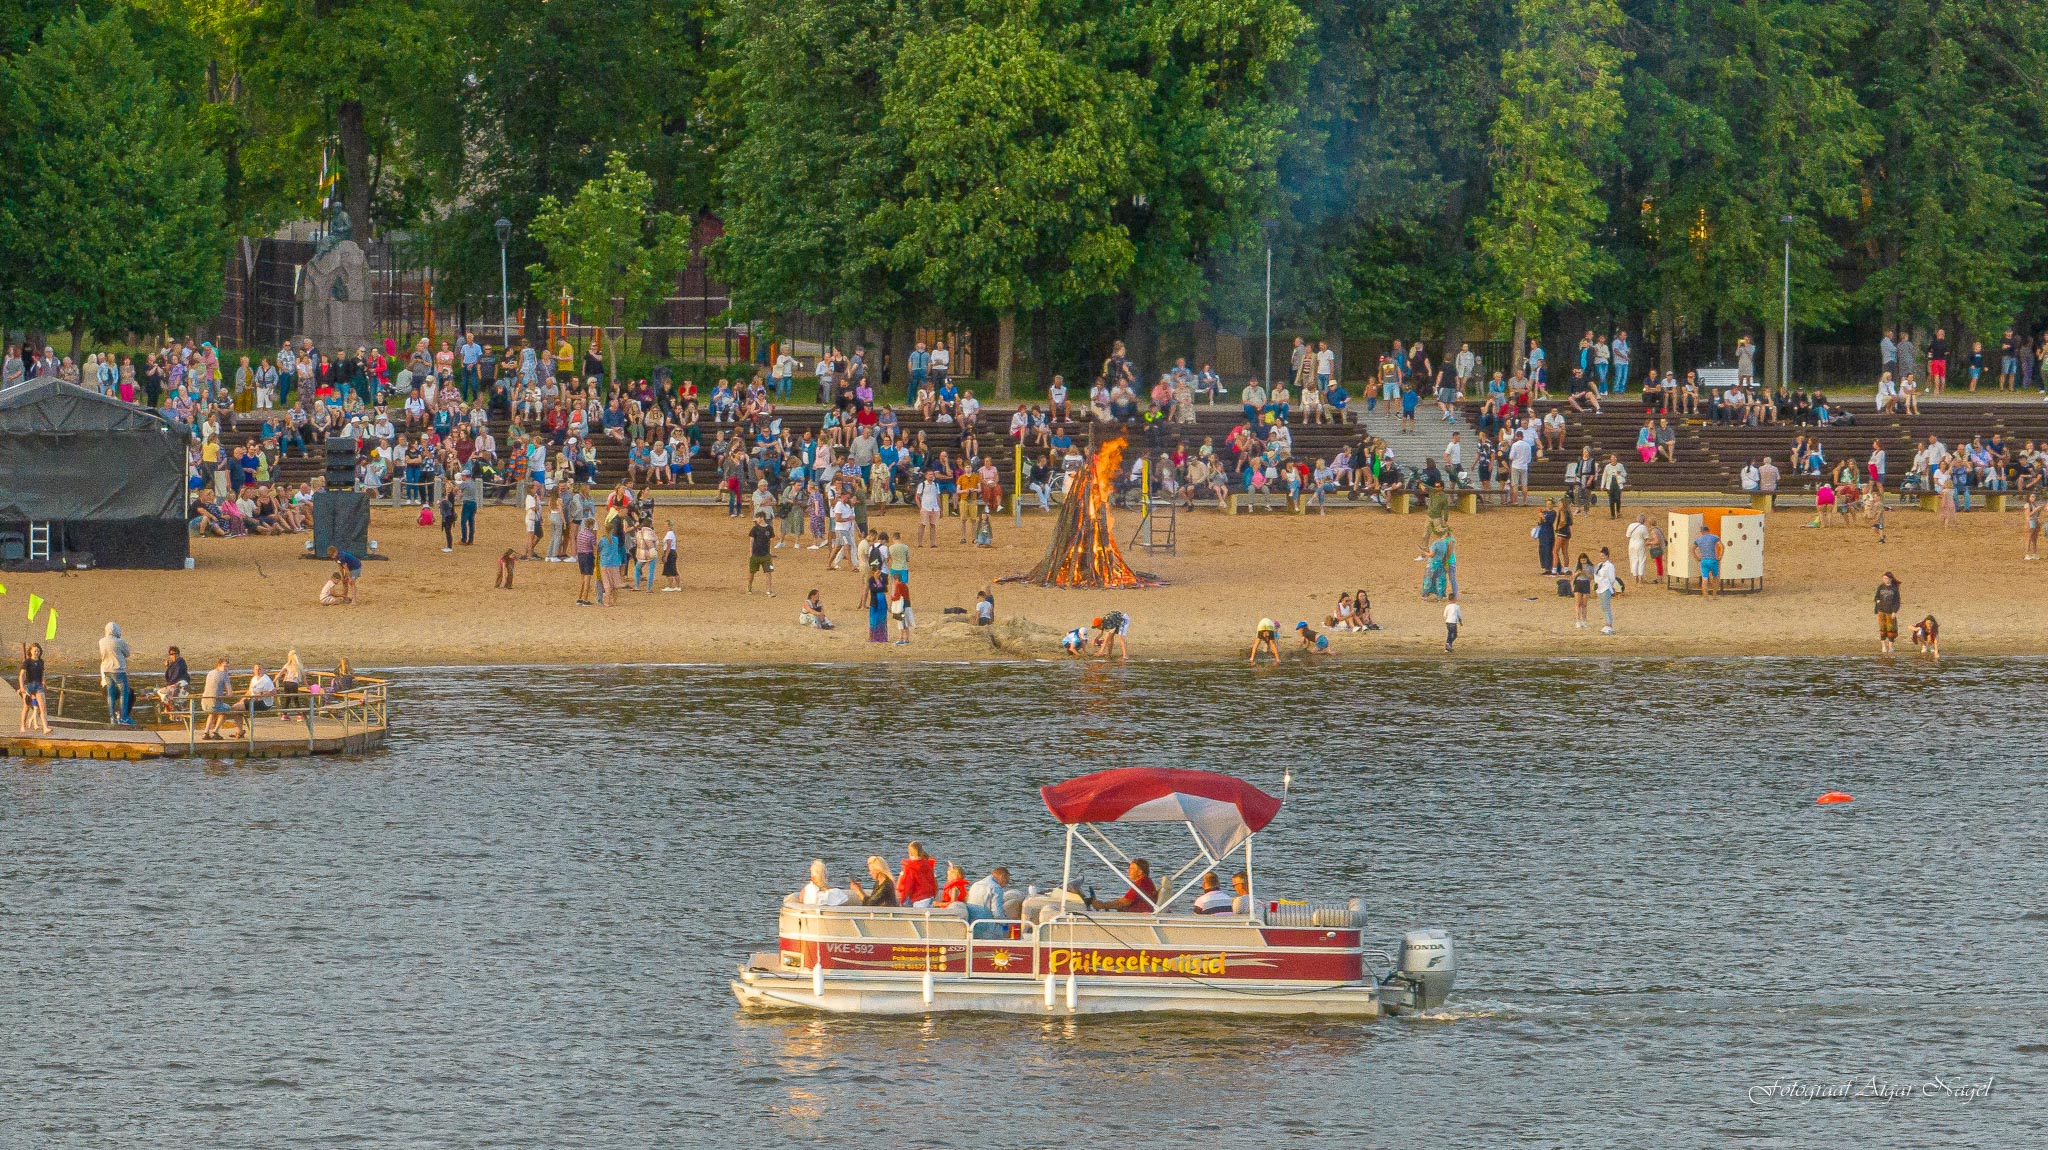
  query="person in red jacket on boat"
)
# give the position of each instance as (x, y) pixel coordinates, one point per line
(917, 882)
(956, 886)
(1142, 897)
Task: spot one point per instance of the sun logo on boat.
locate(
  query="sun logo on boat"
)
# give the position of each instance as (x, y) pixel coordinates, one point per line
(1000, 960)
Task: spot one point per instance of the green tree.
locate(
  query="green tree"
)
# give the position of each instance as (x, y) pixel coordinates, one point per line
(811, 159)
(111, 215)
(535, 97)
(1560, 111)
(1954, 228)
(1747, 117)
(1386, 169)
(362, 73)
(609, 247)
(1223, 84)
(1016, 153)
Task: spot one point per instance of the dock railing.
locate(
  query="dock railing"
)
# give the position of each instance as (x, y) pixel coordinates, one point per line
(362, 706)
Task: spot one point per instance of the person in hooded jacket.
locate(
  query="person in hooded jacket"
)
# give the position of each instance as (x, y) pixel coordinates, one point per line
(114, 675)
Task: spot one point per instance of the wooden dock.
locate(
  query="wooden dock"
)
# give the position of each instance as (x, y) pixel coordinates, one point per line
(343, 723)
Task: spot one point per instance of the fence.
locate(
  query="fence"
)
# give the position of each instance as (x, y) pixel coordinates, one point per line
(260, 305)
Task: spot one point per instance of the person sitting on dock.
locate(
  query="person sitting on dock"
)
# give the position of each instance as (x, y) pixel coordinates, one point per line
(1213, 899)
(1141, 897)
(883, 893)
(177, 680)
(261, 694)
(820, 891)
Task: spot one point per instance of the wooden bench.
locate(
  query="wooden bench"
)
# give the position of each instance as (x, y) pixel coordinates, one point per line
(1989, 501)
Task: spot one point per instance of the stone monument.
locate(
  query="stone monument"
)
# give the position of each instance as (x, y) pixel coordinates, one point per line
(334, 292)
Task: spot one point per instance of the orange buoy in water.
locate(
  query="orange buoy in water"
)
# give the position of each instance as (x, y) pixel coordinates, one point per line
(1834, 797)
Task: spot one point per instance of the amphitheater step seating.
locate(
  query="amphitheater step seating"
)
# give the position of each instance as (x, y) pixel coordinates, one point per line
(1709, 456)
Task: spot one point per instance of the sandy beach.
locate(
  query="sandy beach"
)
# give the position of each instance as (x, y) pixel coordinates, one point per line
(251, 598)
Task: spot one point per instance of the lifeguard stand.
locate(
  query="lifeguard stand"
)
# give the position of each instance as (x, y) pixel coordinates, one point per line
(1159, 520)
(1741, 532)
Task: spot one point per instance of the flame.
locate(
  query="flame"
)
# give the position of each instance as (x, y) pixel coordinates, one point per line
(1103, 469)
(1083, 550)
(1087, 556)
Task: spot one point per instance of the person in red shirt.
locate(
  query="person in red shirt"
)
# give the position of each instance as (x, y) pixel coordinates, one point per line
(1141, 897)
(917, 880)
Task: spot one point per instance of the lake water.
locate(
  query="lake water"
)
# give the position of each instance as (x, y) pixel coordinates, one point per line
(516, 925)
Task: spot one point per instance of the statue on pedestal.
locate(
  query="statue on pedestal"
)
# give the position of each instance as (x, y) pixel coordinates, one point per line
(334, 290)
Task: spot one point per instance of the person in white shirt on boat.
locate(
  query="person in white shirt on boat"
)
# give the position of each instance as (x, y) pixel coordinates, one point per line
(1213, 899)
(1241, 894)
(820, 891)
(986, 900)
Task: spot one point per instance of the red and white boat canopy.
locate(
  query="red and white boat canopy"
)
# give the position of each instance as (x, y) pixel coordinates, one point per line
(1223, 812)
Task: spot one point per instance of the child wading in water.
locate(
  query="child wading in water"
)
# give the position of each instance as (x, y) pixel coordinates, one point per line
(1264, 640)
(1927, 636)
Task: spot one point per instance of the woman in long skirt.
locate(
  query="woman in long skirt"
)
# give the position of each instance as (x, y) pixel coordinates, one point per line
(816, 511)
(877, 599)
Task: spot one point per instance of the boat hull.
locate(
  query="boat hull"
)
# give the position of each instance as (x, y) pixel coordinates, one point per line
(844, 993)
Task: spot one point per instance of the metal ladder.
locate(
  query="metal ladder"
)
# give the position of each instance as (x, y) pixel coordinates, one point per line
(39, 539)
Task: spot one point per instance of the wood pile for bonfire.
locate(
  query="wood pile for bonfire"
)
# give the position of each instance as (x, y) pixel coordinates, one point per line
(1083, 550)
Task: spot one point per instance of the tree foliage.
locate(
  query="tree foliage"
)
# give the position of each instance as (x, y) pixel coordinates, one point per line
(608, 246)
(1953, 226)
(1101, 167)
(1560, 113)
(1016, 155)
(112, 214)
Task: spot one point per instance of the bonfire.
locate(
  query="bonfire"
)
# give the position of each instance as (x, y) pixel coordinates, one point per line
(1083, 551)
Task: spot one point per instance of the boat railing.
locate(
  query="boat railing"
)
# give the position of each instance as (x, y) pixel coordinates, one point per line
(1052, 930)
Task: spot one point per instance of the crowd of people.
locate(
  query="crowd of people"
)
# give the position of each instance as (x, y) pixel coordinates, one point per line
(916, 882)
(222, 710)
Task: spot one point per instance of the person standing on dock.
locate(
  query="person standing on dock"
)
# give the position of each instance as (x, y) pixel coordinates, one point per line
(216, 702)
(30, 680)
(114, 675)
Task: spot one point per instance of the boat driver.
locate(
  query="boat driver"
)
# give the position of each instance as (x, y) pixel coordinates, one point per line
(1142, 896)
(820, 891)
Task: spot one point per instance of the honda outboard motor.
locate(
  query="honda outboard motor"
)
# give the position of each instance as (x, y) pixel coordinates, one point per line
(1428, 964)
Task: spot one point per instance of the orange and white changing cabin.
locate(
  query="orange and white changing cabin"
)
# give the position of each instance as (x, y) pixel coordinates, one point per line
(1054, 955)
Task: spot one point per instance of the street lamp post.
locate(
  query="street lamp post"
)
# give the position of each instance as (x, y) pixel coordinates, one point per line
(504, 281)
(1785, 325)
(1269, 228)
